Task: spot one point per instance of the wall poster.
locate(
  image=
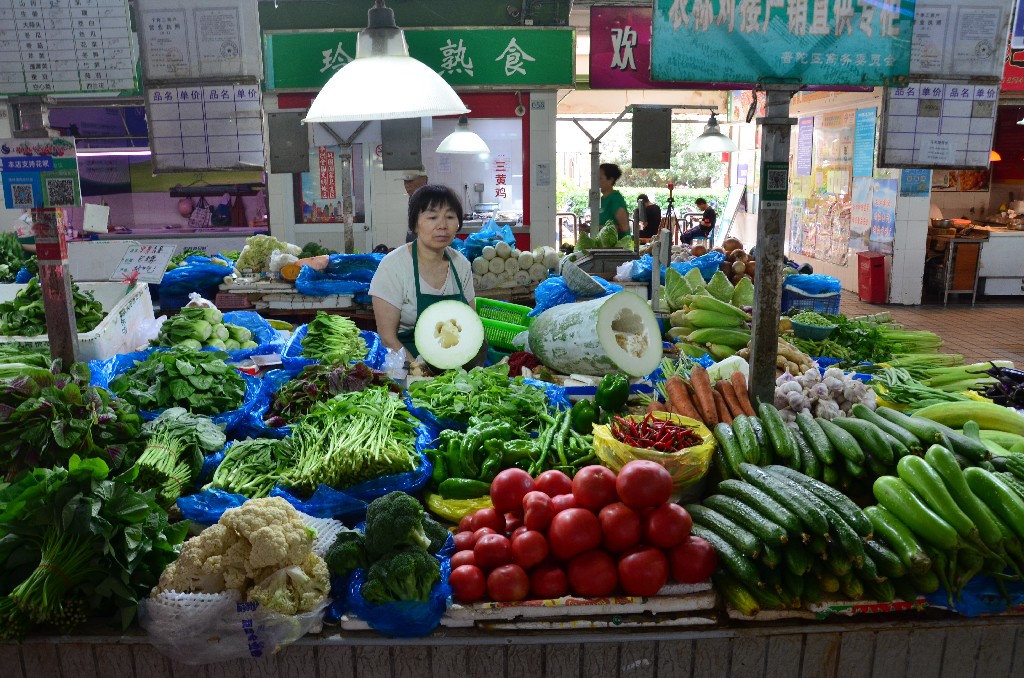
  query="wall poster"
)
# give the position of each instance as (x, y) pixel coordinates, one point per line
(320, 198)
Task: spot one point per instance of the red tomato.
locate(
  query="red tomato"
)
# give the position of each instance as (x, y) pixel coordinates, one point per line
(529, 549)
(463, 558)
(554, 483)
(548, 581)
(563, 501)
(592, 574)
(594, 487)
(492, 550)
(508, 488)
(518, 531)
(572, 532)
(467, 583)
(620, 526)
(643, 571)
(488, 517)
(513, 521)
(508, 583)
(693, 561)
(537, 510)
(466, 524)
(667, 526)
(643, 483)
(464, 541)
(481, 532)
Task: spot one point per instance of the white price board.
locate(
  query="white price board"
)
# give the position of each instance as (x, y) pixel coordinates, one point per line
(959, 39)
(66, 46)
(144, 263)
(205, 127)
(938, 125)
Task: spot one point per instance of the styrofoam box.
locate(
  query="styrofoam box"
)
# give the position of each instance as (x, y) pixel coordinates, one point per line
(120, 330)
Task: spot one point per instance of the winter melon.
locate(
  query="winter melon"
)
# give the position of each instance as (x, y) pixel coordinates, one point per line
(449, 334)
(614, 333)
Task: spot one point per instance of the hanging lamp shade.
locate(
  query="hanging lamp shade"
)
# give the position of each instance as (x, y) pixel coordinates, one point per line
(463, 140)
(712, 140)
(383, 82)
(993, 156)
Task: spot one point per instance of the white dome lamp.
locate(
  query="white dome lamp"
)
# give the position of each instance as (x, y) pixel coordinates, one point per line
(383, 82)
(712, 140)
(464, 141)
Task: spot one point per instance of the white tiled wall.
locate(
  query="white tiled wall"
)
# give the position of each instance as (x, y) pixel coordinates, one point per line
(542, 151)
(906, 277)
(958, 204)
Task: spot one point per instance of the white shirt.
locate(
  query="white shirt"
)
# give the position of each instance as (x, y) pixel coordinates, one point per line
(393, 282)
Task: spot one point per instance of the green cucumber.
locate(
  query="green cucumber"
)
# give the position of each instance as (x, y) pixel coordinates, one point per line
(868, 436)
(927, 582)
(731, 559)
(855, 470)
(810, 465)
(889, 564)
(972, 448)
(867, 570)
(816, 438)
(899, 450)
(900, 539)
(1002, 500)
(943, 462)
(909, 440)
(851, 586)
(812, 590)
(837, 563)
(882, 591)
(746, 439)
(736, 594)
(1012, 482)
(844, 443)
(732, 454)
(721, 465)
(767, 531)
(763, 443)
(778, 432)
(829, 582)
(790, 496)
(798, 560)
(897, 497)
(818, 546)
(771, 557)
(928, 484)
(741, 538)
(905, 589)
(793, 583)
(764, 504)
(839, 502)
(830, 475)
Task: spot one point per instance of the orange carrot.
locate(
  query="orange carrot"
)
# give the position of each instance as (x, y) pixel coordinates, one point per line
(739, 383)
(723, 411)
(729, 395)
(679, 398)
(656, 406)
(702, 395)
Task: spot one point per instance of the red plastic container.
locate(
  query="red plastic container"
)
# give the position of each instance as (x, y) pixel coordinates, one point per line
(872, 278)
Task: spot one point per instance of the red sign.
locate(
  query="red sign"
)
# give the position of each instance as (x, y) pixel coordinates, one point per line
(1013, 73)
(328, 189)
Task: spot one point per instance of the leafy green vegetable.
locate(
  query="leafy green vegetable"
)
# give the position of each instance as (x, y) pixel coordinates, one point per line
(12, 257)
(676, 287)
(252, 467)
(196, 327)
(199, 381)
(317, 383)
(720, 287)
(24, 315)
(333, 339)
(483, 392)
(812, 318)
(258, 248)
(313, 249)
(177, 443)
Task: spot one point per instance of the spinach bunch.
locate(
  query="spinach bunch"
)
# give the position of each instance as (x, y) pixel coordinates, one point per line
(199, 381)
(24, 316)
(483, 392)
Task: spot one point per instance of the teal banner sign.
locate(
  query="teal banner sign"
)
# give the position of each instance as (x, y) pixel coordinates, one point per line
(811, 42)
(537, 58)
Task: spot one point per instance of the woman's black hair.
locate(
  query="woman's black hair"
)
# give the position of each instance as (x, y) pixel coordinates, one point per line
(611, 170)
(432, 195)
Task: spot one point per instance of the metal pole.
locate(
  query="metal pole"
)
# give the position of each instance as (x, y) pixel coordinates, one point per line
(55, 281)
(347, 182)
(771, 234)
(595, 187)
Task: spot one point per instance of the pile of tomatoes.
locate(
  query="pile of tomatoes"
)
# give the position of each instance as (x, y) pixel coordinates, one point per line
(591, 536)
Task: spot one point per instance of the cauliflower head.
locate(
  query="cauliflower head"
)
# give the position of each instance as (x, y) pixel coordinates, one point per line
(199, 565)
(294, 589)
(274, 529)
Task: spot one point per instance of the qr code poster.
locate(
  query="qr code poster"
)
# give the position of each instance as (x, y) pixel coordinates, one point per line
(39, 173)
(774, 181)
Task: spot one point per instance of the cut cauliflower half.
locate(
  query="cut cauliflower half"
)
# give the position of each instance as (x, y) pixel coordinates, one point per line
(294, 589)
(275, 530)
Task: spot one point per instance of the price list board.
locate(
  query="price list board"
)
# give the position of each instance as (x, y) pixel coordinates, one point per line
(66, 46)
(205, 127)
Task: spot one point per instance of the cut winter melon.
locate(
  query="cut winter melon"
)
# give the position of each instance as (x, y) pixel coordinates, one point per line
(614, 333)
(449, 334)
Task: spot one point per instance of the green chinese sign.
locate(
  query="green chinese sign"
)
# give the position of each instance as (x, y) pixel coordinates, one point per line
(538, 58)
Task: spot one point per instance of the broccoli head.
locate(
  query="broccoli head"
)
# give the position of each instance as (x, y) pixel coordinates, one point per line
(436, 533)
(347, 553)
(393, 522)
(403, 575)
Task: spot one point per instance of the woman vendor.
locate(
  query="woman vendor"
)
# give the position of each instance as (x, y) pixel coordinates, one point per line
(613, 205)
(422, 272)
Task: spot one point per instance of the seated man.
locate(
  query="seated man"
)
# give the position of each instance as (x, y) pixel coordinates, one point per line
(706, 225)
(651, 217)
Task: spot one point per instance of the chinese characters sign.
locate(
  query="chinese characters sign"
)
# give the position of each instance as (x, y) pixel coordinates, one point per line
(534, 57)
(864, 143)
(39, 173)
(1013, 70)
(883, 215)
(328, 185)
(502, 169)
(144, 263)
(816, 42)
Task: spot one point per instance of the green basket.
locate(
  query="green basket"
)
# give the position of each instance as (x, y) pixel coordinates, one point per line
(500, 334)
(513, 314)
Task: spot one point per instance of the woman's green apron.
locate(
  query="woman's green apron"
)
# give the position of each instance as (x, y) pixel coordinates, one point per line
(423, 300)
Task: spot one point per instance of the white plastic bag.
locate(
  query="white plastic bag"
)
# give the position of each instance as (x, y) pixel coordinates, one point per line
(196, 300)
(148, 331)
(396, 364)
(279, 260)
(623, 273)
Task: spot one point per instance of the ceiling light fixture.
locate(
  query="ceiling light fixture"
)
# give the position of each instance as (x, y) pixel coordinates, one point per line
(711, 139)
(463, 141)
(96, 153)
(993, 156)
(383, 82)
(1021, 121)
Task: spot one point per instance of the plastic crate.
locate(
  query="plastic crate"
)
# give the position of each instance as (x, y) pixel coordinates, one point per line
(503, 311)
(500, 334)
(120, 331)
(820, 303)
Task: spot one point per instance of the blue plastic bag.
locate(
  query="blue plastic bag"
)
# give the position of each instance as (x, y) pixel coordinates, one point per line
(554, 292)
(208, 506)
(24, 275)
(815, 283)
(403, 619)
(291, 356)
(488, 236)
(197, 274)
(266, 337)
(980, 596)
(707, 263)
(104, 371)
(641, 269)
(354, 266)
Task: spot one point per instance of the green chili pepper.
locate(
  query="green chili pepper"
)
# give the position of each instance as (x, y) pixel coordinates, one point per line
(517, 450)
(440, 472)
(612, 392)
(463, 488)
(492, 464)
(584, 416)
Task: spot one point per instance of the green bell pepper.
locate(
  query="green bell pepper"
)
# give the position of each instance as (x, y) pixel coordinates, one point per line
(612, 392)
(583, 416)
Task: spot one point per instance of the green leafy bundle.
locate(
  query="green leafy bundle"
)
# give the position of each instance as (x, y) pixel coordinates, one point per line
(252, 467)
(23, 316)
(195, 328)
(177, 443)
(333, 339)
(75, 543)
(12, 257)
(47, 418)
(317, 383)
(483, 392)
(199, 381)
(314, 249)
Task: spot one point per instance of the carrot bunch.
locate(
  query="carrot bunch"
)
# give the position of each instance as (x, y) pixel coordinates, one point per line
(699, 400)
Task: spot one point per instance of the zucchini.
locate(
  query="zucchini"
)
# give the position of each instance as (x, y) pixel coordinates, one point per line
(742, 539)
(988, 415)
(1002, 438)
(1003, 501)
(897, 497)
(798, 560)
(731, 559)
(889, 564)
(851, 586)
(816, 438)
(732, 454)
(927, 483)
(778, 432)
(899, 537)
(899, 450)
(789, 496)
(869, 437)
(736, 594)
(839, 502)
(909, 440)
(923, 429)
(761, 502)
(763, 443)
(747, 440)
(810, 465)
(844, 443)
(764, 529)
